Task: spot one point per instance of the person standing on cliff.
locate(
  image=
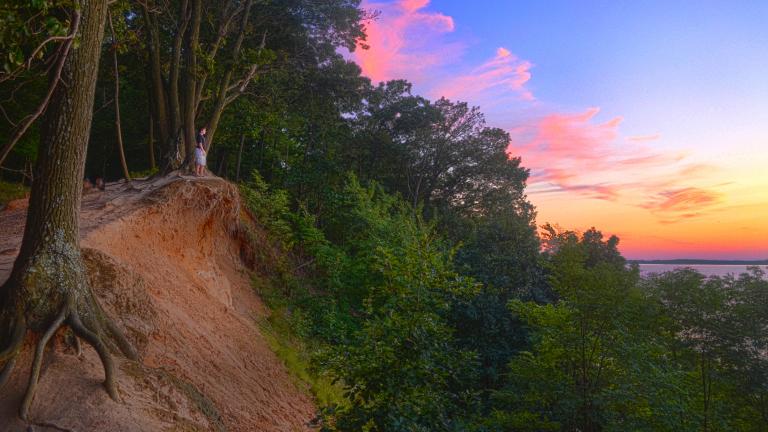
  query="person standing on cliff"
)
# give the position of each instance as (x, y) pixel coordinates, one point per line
(201, 152)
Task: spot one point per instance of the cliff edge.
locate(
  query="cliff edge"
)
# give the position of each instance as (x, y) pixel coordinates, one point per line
(164, 260)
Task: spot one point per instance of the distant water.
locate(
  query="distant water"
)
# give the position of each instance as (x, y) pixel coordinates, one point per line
(705, 269)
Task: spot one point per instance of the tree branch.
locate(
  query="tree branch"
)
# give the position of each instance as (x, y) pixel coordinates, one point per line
(27, 122)
(248, 76)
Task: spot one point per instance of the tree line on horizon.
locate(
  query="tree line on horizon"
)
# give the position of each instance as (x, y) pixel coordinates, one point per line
(411, 265)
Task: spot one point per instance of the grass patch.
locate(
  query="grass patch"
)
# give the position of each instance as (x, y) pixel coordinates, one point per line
(295, 353)
(145, 173)
(11, 191)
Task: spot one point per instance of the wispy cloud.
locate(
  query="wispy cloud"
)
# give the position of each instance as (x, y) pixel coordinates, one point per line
(643, 138)
(571, 151)
(504, 72)
(581, 153)
(402, 41)
(696, 169)
(576, 153)
(679, 204)
(408, 41)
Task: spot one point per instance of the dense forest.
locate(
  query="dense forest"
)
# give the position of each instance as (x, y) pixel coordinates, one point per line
(406, 260)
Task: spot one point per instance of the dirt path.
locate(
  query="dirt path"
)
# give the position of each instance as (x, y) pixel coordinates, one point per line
(163, 261)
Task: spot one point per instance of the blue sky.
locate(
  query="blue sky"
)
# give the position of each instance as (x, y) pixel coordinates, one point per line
(646, 119)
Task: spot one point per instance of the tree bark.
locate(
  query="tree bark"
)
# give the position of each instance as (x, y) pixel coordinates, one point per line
(228, 13)
(240, 157)
(190, 81)
(222, 96)
(152, 163)
(48, 287)
(118, 126)
(157, 94)
(175, 68)
(186, 85)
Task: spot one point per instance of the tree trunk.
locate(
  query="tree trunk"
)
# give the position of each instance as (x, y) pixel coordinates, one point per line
(222, 97)
(118, 127)
(190, 82)
(222, 160)
(152, 163)
(239, 157)
(175, 68)
(48, 287)
(157, 93)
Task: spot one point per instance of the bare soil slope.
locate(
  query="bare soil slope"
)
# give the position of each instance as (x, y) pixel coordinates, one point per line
(164, 260)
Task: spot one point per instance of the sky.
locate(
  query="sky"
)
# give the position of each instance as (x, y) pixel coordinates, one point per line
(647, 120)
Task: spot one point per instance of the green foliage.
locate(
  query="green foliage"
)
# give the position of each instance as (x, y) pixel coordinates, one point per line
(721, 325)
(24, 25)
(270, 207)
(145, 173)
(615, 353)
(439, 154)
(10, 192)
(570, 376)
(387, 285)
(418, 284)
(401, 368)
(295, 354)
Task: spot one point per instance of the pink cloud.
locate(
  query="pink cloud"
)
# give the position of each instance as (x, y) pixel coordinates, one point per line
(697, 169)
(643, 138)
(684, 199)
(569, 151)
(407, 41)
(503, 72)
(564, 144)
(401, 41)
(413, 5)
(605, 192)
(684, 203)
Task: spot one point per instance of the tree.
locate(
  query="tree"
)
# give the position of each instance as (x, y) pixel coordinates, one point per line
(500, 250)
(400, 366)
(599, 355)
(29, 31)
(437, 154)
(118, 124)
(48, 287)
(204, 55)
(720, 325)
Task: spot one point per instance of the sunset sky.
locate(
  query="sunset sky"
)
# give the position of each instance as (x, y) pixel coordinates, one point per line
(648, 120)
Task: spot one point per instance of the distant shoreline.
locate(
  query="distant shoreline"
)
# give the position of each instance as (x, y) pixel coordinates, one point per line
(701, 262)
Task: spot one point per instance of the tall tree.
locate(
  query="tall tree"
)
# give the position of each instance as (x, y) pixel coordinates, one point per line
(118, 125)
(48, 287)
(440, 154)
(203, 54)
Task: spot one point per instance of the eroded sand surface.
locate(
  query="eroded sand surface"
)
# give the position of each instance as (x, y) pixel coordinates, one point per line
(164, 262)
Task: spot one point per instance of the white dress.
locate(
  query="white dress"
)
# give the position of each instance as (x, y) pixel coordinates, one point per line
(200, 156)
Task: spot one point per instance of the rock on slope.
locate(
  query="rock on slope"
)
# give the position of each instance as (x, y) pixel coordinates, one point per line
(164, 261)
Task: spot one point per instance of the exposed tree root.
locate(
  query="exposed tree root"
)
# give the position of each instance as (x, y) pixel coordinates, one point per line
(88, 323)
(102, 322)
(6, 372)
(34, 376)
(50, 425)
(78, 345)
(101, 348)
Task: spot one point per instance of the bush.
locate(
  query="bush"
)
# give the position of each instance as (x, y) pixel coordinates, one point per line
(10, 192)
